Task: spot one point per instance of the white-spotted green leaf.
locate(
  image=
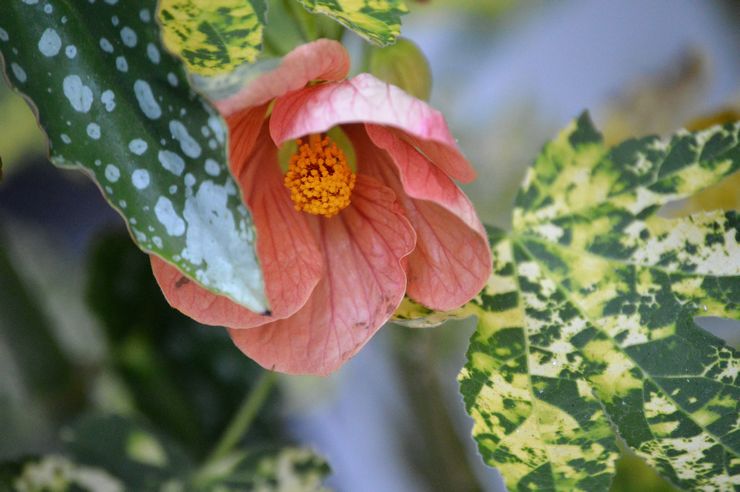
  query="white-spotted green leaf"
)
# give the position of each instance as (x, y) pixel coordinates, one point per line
(586, 327)
(213, 37)
(114, 103)
(378, 21)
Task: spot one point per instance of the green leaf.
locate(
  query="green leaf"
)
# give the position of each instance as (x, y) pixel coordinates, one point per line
(378, 21)
(213, 37)
(114, 103)
(586, 327)
(403, 65)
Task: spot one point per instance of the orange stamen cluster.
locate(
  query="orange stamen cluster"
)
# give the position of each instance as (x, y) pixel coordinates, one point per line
(318, 177)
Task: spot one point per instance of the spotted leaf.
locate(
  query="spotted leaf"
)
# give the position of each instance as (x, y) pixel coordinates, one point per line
(213, 37)
(378, 21)
(586, 327)
(114, 103)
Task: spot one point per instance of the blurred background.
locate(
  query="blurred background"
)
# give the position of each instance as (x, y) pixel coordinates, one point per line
(83, 326)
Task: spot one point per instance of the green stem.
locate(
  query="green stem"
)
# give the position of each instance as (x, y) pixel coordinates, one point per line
(244, 417)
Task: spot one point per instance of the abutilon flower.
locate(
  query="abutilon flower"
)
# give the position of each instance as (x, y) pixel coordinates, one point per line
(366, 211)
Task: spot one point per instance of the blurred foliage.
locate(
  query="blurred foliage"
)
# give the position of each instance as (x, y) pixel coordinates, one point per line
(54, 473)
(23, 137)
(267, 470)
(186, 378)
(402, 64)
(136, 454)
(111, 453)
(666, 100)
(291, 25)
(658, 103)
(438, 453)
(490, 8)
(25, 327)
(183, 383)
(725, 194)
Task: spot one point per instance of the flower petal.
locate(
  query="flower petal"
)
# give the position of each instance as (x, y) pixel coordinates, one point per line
(198, 303)
(452, 259)
(244, 129)
(320, 60)
(363, 247)
(288, 252)
(365, 99)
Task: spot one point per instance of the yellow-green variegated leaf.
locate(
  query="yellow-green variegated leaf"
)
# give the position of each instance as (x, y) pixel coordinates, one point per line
(213, 37)
(267, 470)
(378, 21)
(415, 315)
(586, 326)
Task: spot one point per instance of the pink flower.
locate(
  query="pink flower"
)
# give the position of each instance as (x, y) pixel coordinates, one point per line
(338, 246)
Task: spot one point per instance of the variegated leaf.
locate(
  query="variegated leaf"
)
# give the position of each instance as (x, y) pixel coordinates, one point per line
(586, 326)
(55, 472)
(115, 453)
(268, 470)
(378, 21)
(213, 37)
(415, 315)
(139, 456)
(115, 104)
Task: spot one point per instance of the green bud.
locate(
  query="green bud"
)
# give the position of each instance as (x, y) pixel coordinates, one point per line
(404, 65)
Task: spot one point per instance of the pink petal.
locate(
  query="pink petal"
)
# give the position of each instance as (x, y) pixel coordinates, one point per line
(367, 99)
(244, 129)
(196, 302)
(320, 60)
(363, 247)
(289, 256)
(452, 259)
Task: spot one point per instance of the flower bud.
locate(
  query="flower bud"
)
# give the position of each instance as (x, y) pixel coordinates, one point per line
(404, 65)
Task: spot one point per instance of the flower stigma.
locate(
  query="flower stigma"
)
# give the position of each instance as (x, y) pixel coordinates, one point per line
(318, 177)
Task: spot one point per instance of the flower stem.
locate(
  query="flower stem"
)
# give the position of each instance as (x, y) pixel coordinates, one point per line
(244, 416)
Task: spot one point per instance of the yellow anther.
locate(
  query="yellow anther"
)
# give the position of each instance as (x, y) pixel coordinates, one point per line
(318, 177)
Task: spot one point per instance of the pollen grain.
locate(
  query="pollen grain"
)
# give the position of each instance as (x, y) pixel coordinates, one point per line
(318, 177)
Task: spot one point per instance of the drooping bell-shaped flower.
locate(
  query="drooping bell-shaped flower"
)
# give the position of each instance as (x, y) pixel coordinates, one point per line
(350, 184)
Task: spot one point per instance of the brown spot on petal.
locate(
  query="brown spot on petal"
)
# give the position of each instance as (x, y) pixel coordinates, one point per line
(183, 281)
